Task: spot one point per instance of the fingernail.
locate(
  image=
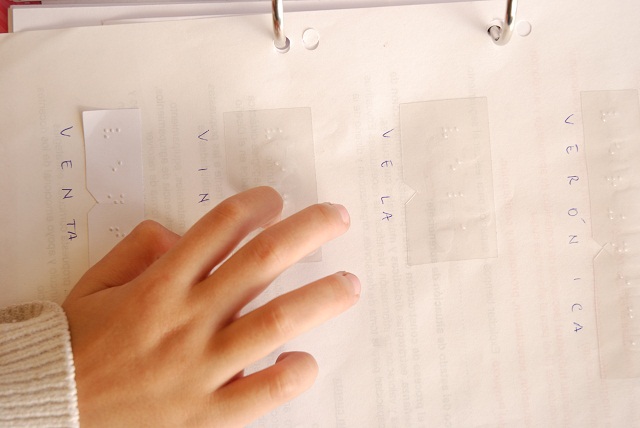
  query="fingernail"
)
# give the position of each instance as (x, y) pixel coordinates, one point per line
(354, 281)
(343, 212)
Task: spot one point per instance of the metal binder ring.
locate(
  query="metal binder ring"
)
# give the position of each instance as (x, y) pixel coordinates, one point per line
(279, 39)
(502, 34)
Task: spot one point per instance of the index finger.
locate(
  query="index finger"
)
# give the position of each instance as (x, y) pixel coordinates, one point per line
(216, 234)
(253, 267)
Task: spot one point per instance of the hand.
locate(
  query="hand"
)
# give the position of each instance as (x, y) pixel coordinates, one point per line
(156, 337)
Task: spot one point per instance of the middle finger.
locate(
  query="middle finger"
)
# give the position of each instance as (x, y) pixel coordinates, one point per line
(249, 271)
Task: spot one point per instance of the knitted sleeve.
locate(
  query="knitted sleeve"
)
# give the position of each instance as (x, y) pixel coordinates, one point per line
(37, 385)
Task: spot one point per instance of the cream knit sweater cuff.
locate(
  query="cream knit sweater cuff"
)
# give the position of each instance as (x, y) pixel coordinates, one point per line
(37, 384)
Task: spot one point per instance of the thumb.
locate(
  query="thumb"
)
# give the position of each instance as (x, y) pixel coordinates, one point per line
(128, 259)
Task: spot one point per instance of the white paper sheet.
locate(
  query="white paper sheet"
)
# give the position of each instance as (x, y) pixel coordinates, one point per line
(508, 341)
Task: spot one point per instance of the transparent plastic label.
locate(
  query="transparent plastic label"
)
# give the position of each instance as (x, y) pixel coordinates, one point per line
(273, 148)
(446, 158)
(612, 140)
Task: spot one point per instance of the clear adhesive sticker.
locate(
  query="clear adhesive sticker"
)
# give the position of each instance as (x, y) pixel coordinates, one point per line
(612, 138)
(446, 158)
(273, 148)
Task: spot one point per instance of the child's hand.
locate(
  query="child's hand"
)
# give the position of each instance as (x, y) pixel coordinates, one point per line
(156, 338)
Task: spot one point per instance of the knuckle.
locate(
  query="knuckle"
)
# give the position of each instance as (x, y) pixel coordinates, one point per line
(267, 249)
(325, 213)
(277, 323)
(154, 235)
(284, 386)
(293, 378)
(148, 227)
(327, 218)
(232, 210)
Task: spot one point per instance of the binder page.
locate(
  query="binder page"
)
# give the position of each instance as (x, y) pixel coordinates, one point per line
(493, 190)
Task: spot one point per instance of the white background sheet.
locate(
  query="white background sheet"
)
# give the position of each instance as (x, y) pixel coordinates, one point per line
(472, 343)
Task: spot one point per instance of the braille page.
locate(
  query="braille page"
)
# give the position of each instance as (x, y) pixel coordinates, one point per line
(521, 330)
